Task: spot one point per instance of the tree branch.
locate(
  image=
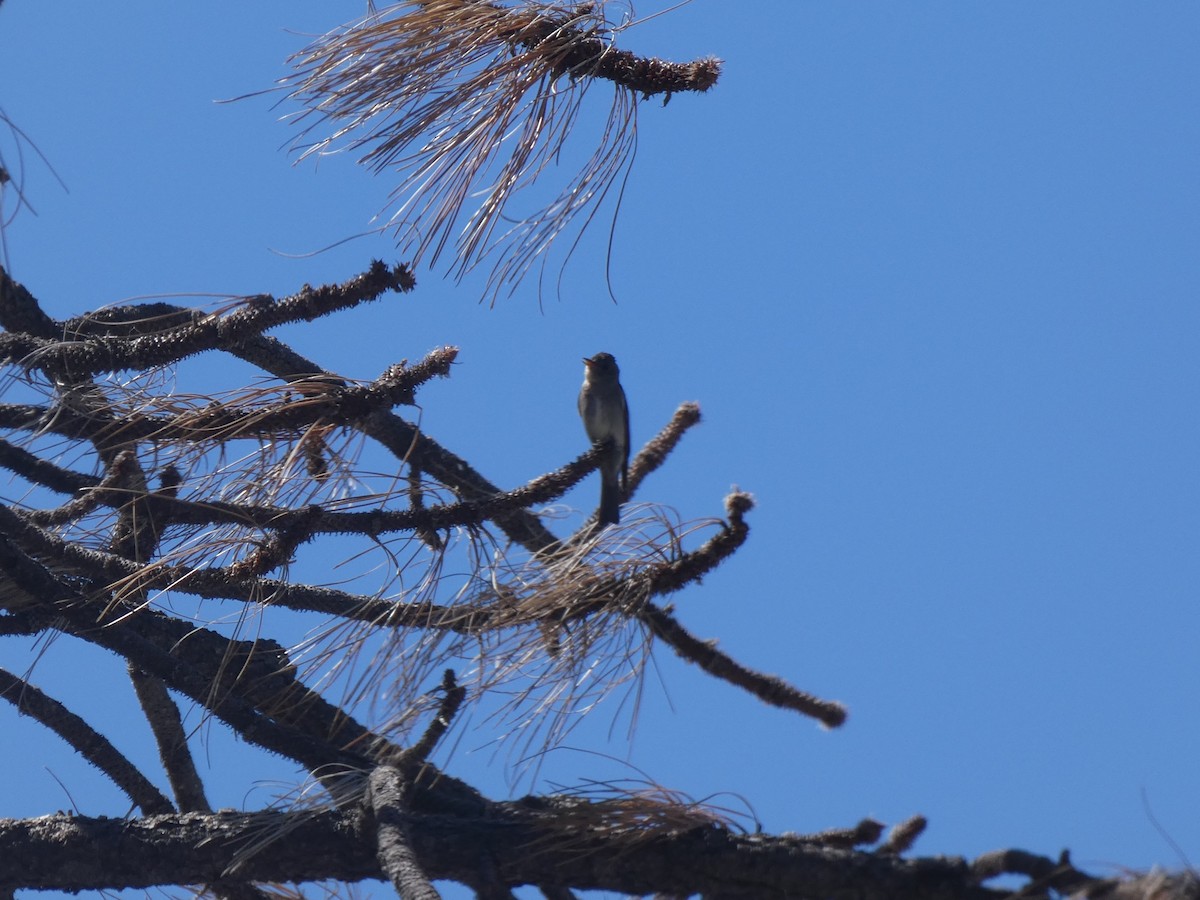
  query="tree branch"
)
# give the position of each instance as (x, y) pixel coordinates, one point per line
(390, 807)
(93, 355)
(167, 725)
(37, 471)
(73, 853)
(85, 740)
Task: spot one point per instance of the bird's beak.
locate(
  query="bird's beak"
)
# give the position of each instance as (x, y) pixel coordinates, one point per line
(587, 361)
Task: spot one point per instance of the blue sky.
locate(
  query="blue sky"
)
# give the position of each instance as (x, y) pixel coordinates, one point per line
(931, 271)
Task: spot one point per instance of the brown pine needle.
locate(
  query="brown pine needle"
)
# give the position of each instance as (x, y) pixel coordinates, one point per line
(469, 103)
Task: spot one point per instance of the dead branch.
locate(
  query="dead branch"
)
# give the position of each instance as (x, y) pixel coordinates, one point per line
(198, 848)
(92, 355)
(93, 746)
(467, 99)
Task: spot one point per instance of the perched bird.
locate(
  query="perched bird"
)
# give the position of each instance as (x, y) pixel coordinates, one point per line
(605, 415)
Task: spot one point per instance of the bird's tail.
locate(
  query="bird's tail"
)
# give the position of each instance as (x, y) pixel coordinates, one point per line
(610, 499)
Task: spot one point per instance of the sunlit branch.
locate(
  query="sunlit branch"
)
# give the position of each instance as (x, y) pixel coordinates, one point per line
(92, 355)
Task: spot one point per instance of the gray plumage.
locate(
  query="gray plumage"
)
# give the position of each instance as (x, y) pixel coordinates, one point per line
(605, 415)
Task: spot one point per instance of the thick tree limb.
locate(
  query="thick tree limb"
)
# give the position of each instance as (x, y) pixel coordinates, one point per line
(529, 847)
(390, 801)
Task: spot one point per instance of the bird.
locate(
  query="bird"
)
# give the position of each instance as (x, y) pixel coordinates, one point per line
(605, 414)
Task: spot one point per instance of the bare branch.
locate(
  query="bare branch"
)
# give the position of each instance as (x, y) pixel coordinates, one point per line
(768, 688)
(527, 843)
(92, 355)
(865, 832)
(390, 807)
(20, 312)
(287, 410)
(38, 471)
(1046, 874)
(208, 672)
(452, 700)
(657, 449)
(163, 716)
(89, 743)
(903, 836)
